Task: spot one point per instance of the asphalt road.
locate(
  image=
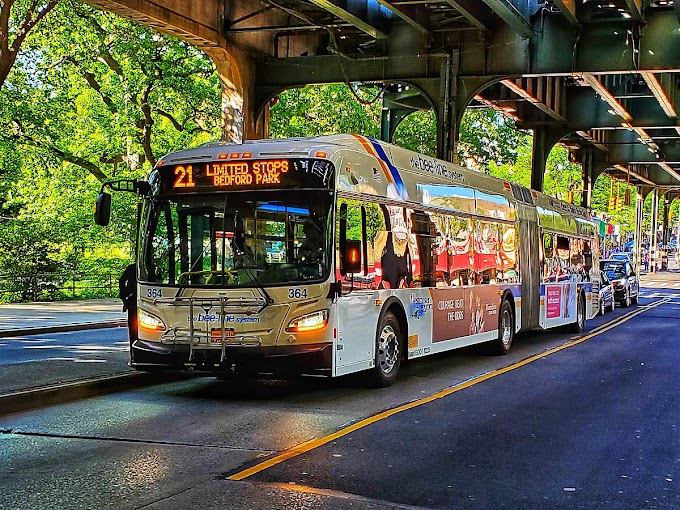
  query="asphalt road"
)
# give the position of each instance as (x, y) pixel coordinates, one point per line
(31, 361)
(558, 423)
(92, 346)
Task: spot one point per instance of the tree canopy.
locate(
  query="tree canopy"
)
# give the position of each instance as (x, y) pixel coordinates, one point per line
(86, 95)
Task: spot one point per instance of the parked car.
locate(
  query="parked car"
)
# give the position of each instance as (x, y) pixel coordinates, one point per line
(624, 280)
(606, 299)
(623, 255)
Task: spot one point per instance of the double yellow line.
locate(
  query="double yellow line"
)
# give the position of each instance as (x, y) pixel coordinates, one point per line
(315, 443)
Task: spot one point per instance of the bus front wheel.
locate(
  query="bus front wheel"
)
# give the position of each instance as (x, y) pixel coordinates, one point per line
(388, 345)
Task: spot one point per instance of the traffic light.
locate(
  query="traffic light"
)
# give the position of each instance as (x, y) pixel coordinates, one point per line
(612, 203)
(619, 204)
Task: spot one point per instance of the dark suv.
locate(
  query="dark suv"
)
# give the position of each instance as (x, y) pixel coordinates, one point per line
(624, 280)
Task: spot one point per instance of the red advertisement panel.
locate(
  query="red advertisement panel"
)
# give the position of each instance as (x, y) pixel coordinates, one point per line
(460, 312)
(553, 301)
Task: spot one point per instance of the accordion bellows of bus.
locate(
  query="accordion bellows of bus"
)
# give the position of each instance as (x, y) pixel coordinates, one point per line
(340, 254)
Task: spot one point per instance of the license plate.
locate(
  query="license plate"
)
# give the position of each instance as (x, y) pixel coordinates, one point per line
(216, 335)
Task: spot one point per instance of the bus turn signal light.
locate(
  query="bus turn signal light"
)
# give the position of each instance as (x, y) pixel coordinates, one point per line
(310, 322)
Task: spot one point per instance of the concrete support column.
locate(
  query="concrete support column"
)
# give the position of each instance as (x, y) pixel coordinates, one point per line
(637, 234)
(653, 229)
(239, 111)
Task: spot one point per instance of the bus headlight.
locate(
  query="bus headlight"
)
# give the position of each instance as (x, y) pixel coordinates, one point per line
(310, 322)
(150, 322)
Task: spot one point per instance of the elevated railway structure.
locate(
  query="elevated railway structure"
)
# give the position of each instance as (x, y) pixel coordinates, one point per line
(601, 76)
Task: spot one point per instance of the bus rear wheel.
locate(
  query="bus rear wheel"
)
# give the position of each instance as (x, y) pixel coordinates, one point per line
(580, 323)
(506, 331)
(388, 344)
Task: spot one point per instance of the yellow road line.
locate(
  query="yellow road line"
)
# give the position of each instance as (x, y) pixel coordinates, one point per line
(315, 443)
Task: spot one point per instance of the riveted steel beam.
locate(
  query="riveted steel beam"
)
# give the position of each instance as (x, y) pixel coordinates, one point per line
(634, 9)
(661, 93)
(474, 11)
(607, 96)
(557, 49)
(542, 92)
(509, 12)
(358, 17)
(568, 8)
(414, 16)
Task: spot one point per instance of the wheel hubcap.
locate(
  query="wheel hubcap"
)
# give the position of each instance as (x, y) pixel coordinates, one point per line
(388, 349)
(506, 331)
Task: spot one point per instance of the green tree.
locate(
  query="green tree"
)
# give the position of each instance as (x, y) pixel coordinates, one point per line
(418, 132)
(321, 110)
(92, 96)
(102, 92)
(17, 19)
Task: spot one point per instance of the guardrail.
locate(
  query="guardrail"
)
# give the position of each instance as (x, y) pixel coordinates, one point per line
(56, 287)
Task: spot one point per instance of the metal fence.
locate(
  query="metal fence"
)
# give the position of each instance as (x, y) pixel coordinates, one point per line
(55, 287)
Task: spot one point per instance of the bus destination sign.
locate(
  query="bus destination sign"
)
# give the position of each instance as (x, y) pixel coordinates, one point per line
(246, 174)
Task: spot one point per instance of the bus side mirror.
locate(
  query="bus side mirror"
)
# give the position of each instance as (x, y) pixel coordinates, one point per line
(102, 209)
(351, 257)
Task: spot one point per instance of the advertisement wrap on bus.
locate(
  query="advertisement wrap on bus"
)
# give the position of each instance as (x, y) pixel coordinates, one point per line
(340, 254)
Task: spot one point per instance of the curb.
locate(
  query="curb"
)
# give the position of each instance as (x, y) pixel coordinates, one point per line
(64, 328)
(25, 400)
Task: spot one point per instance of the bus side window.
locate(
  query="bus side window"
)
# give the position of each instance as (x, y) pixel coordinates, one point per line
(563, 257)
(550, 264)
(577, 259)
(507, 254)
(393, 248)
(461, 256)
(373, 239)
(485, 251)
(424, 231)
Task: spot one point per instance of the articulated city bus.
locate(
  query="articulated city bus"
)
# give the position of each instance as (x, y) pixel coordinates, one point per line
(340, 254)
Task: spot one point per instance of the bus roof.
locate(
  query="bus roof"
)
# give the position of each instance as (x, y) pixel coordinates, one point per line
(406, 173)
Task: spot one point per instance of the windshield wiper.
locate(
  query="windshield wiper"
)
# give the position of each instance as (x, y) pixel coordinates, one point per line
(184, 284)
(246, 266)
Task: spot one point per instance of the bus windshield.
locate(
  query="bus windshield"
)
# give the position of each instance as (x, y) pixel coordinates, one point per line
(246, 239)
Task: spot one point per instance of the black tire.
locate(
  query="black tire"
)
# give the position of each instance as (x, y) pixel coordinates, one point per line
(580, 324)
(388, 347)
(634, 299)
(506, 331)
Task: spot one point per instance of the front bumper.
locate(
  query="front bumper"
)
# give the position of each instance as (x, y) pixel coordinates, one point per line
(308, 359)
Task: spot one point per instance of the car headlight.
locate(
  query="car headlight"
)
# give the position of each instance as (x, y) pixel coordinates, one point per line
(150, 322)
(310, 322)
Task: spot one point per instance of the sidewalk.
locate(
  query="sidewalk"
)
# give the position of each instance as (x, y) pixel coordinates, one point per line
(58, 316)
(37, 383)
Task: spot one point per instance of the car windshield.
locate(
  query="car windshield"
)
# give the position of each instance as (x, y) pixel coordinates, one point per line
(614, 270)
(237, 239)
